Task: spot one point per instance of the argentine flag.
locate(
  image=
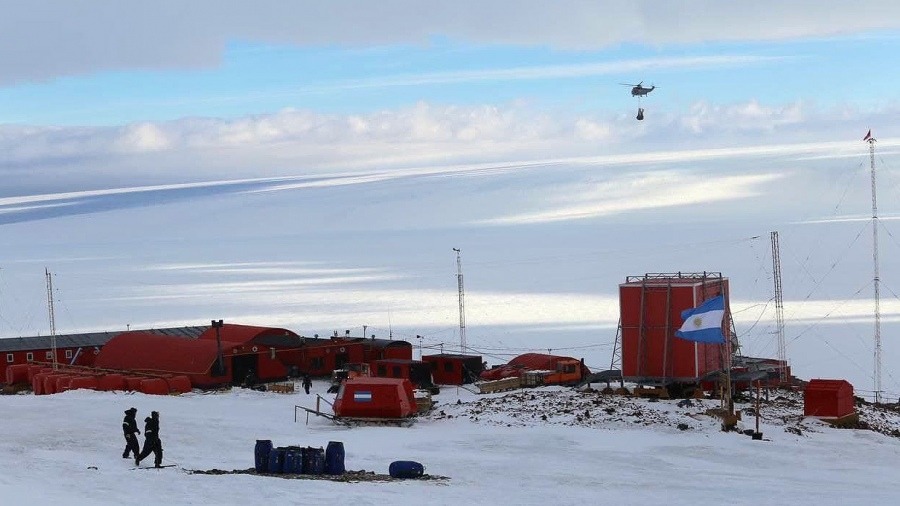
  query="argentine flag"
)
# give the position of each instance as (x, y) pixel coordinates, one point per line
(704, 323)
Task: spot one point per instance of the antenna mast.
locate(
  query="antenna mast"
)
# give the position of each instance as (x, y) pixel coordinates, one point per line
(462, 303)
(779, 309)
(876, 280)
(52, 317)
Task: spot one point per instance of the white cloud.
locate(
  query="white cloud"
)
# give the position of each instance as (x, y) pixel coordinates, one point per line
(74, 38)
(424, 139)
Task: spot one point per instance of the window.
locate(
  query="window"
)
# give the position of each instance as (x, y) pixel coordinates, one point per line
(29, 356)
(448, 366)
(10, 358)
(49, 355)
(317, 363)
(382, 371)
(397, 372)
(68, 353)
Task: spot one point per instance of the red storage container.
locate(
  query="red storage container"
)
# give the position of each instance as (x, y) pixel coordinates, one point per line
(133, 383)
(109, 382)
(155, 386)
(85, 382)
(179, 384)
(50, 383)
(828, 398)
(17, 374)
(37, 383)
(60, 381)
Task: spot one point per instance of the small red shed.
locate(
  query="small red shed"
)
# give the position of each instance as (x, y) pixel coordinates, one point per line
(826, 398)
(366, 397)
(454, 369)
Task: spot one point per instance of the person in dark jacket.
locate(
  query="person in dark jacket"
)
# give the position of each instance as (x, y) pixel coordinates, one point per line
(307, 383)
(152, 443)
(129, 427)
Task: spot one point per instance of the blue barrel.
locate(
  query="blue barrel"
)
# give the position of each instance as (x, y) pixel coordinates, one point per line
(314, 460)
(293, 460)
(334, 458)
(302, 463)
(406, 469)
(276, 461)
(263, 447)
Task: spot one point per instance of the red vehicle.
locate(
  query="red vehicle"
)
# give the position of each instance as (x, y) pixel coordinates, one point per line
(553, 369)
(375, 398)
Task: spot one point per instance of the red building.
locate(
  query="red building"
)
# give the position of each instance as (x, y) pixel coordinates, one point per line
(271, 353)
(416, 371)
(319, 357)
(241, 347)
(828, 398)
(72, 349)
(450, 369)
(650, 313)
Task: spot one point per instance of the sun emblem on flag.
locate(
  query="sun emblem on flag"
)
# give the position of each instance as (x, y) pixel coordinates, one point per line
(697, 321)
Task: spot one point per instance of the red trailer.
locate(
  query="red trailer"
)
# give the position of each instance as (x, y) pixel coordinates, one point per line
(825, 398)
(375, 398)
(454, 369)
(650, 313)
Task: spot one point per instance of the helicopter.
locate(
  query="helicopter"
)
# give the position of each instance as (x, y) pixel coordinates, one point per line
(638, 90)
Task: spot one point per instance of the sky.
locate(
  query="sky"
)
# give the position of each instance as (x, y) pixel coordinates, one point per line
(313, 165)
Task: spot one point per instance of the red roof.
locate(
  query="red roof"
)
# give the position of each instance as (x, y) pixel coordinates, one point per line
(242, 334)
(143, 351)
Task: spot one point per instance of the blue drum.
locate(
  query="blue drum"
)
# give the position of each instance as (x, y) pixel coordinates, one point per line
(276, 461)
(406, 469)
(313, 460)
(263, 447)
(334, 458)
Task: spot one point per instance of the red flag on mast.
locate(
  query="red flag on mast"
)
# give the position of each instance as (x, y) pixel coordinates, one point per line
(868, 135)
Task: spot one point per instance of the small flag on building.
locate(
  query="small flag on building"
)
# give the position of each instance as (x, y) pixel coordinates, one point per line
(868, 135)
(703, 323)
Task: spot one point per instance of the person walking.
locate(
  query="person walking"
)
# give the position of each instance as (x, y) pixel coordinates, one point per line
(307, 383)
(152, 443)
(129, 427)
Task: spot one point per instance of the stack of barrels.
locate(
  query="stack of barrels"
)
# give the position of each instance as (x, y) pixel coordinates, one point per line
(299, 459)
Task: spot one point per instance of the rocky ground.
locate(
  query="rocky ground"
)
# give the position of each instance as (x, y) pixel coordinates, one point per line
(348, 477)
(561, 406)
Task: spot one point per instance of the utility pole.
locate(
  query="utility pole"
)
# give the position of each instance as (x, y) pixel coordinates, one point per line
(779, 310)
(52, 316)
(876, 280)
(462, 303)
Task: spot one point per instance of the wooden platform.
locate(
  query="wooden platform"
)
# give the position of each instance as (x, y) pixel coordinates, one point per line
(489, 387)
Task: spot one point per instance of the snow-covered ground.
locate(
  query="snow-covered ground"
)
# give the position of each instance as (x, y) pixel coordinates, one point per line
(533, 446)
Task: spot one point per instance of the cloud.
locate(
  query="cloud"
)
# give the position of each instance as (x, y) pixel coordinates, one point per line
(295, 149)
(65, 39)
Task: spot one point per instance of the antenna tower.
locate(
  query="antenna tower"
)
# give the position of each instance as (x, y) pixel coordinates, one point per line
(52, 317)
(779, 309)
(876, 280)
(462, 303)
